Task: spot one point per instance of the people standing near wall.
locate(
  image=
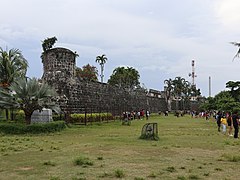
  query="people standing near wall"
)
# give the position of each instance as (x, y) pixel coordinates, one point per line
(138, 115)
(147, 114)
(235, 120)
(166, 113)
(142, 114)
(230, 124)
(224, 124)
(218, 118)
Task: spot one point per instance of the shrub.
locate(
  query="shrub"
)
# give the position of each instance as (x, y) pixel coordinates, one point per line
(231, 158)
(49, 163)
(57, 117)
(193, 177)
(83, 161)
(119, 173)
(139, 178)
(17, 128)
(100, 158)
(20, 116)
(171, 169)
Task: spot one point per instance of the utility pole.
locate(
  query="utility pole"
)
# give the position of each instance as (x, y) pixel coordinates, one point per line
(209, 86)
(193, 75)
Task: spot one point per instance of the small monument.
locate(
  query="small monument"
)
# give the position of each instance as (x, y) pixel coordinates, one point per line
(43, 116)
(150, 131)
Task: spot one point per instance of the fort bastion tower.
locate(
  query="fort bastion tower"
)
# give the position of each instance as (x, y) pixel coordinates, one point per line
(58, 71)
(58, 64)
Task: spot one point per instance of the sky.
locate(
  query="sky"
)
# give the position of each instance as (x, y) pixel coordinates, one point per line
(159, 38)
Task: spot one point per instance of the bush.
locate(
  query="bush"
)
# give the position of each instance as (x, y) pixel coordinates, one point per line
(16, 128)
(93, 117)
(232, 158)
(119, 173)
(58, 117)
(20, 116)
(83, 161)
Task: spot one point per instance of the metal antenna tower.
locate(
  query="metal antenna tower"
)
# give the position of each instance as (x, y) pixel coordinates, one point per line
(193, 75)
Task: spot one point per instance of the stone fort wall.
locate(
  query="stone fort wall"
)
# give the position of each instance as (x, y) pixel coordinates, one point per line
(78, 96)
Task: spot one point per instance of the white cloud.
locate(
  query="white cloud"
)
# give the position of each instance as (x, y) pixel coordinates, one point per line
(228, 14)
(159, 38)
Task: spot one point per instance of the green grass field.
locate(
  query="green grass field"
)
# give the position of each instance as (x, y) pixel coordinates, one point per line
(187, 149)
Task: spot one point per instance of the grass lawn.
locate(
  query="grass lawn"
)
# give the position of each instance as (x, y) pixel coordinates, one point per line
(188, 148)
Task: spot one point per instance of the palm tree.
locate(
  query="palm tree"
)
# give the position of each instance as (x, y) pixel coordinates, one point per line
(238, 52)
(12, 65)
(168, 88)
(179, 85)
(28, 95)
(186, 93)
(101, 60)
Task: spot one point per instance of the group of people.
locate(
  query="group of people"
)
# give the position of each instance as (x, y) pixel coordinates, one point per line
(230, 120)
(136, 115)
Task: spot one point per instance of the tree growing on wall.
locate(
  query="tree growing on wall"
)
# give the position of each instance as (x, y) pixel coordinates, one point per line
(28, 95)
(48, 43)
(87, 73)
(127, 78)
(102, 59)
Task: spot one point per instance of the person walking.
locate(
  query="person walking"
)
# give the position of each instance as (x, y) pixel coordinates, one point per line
(235, 120)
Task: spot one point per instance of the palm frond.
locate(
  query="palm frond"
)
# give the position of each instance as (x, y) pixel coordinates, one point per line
(238, 52)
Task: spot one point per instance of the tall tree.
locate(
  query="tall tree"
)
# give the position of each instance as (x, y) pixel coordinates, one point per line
(87, 73)
(178, 89)
(28, 95)
(168, 88)
(127, 78)
(101, 60)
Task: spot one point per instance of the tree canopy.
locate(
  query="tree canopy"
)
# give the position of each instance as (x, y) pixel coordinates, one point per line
(225, 100)
(127, 78)
(87, 73)
(234, 89)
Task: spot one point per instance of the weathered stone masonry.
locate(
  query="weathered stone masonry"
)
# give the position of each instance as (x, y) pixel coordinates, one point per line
(77, 96)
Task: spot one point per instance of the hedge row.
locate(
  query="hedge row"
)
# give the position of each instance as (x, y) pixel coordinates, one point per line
(16, 128)
(93, 117)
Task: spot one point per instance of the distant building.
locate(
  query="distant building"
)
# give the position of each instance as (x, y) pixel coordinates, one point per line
(155, 93)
